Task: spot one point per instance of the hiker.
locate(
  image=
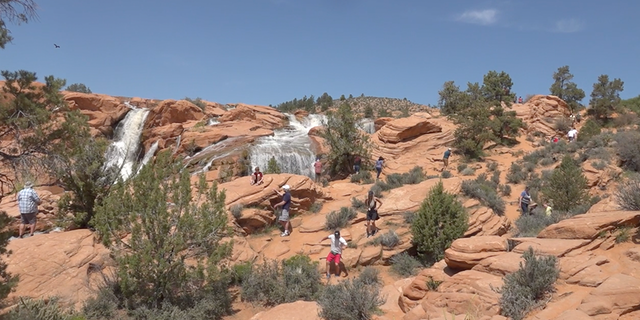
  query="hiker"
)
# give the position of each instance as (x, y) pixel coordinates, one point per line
(318, 169)
(337, 244)
(379, 165)
(524, 200)
(256, 177)
(28, 202)
(285, 204)
(372, 204)
(519, 99)
(554, 139)
(548, 210)
(572, 134)
(357, 161)
(445, 159)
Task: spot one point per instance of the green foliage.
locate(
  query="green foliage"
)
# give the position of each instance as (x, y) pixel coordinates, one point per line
(368, 112)
(236, 210)
(562, 124)
(440, 220)
(30, 309)
(408, 216)
(516, 174)
(433, 285)
(468, 171)
(567, 187)
(492, 166)
(325, 101)
(198, 102)
(273, 283)
(344, 140)
(590, 129)
(103, 306)
(632, 104)
(339, 219)
(383, 112)
(370, 276)
(529, 225)
(566, 89)
(315, 207)
(363, 176)
(306, 103)
(505, 190)
(446, 174)
(272, 167)
(350, 300)
(405, 265)
(451, 99)
(389, 239)
(485, 191)
(605, 97)
(527, 286)
(169, 223)
(628, 193)
(628, 149)
(7, 280)
(358, 204)
(496, 88)
(16, 12)
(622, 234)
(78, 87)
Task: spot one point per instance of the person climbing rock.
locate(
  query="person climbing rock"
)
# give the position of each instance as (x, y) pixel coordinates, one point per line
(379, 165)
(317, 166)
(28, 202)
(445, 159)
(372, 204)
(337, 244)
(572, 134)
(256, 177)
(285, 204)
(357, 161)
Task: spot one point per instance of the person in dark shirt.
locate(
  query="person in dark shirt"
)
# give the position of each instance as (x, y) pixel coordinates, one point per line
(285, 204)
(256, 177)
(445, 159)
(379, 165)
(357, 161)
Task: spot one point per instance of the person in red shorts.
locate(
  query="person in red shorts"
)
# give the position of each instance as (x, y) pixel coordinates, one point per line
(337, 244)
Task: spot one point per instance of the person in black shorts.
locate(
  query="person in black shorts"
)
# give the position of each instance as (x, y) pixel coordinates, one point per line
(372, 204)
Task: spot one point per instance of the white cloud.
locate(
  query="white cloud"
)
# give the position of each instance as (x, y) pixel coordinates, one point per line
(569, 26)
(482, 17)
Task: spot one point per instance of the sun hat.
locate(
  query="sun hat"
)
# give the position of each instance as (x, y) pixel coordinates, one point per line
(286, 187)
(28, 184)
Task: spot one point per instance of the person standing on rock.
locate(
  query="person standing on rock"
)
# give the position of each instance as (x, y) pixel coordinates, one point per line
(445, 159)
(256, 177)
(357, 161)
(572, 134)
(317, 166)
(285, 204)
(379, 165)
(524, 201)
(28, 202)
(337, 244)
(372, 204)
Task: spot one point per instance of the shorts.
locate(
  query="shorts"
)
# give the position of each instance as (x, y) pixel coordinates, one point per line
(28, 218)
(372, 215)
(284, 216)
(446, 161)
(333, 257)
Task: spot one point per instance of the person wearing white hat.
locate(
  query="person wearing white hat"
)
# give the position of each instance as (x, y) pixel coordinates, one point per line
(28, 202)
(445, 159)
(285, 204)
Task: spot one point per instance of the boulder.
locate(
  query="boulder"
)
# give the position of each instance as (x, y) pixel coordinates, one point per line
(553, 247)
(266, 117)
(484, 222)
(102, 110)
(590, 225)
(404, 129)
(500, 265)
(541, 112)
(600, 178)
(619, 294)
(172, 111)
(381, 122)
(465, 253)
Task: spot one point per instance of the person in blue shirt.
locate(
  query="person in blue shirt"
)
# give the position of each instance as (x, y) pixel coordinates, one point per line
(379, 165)
(445, 159)
(285, 204)
(28, 202)
(525, 199)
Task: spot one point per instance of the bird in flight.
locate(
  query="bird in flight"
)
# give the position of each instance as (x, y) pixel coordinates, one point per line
(57, 46)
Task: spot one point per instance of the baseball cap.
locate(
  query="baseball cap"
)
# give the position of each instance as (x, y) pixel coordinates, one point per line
(286, 187)
(449, 149)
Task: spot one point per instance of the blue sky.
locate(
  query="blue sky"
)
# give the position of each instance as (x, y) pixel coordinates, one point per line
(269, 51)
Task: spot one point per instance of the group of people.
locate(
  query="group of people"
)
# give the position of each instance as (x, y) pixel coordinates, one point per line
(526, 205)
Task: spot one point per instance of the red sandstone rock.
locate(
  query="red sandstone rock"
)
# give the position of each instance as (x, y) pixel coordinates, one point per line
(589, 225)
(465, 253)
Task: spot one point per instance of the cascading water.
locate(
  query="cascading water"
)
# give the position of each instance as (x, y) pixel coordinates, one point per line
(123, 151)
(147, 156)
(290, 146)
(367, 125)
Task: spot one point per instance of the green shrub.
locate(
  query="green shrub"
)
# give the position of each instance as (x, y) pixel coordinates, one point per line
(273, 283)
(492, 166)
(516, 174)
(272, 166)
(567, 187)
(315, 207)
(103, 306)
(547, 161)
(394, 180)
(622, 234)
(198, 102)
(236, 210)
(377, 189)
(339, 219)
(408, 216)
(405, 265)
(433, 285)
(495, 178)
(589, 129)
(358, 204)
(440, 220)
(527, 286)
(485, 192)
(563, 124)
(529, 225)
(78, 87)
(414, 176)
(599, 165)
(461, 166)
(240, 271)
(30, 309)
(505, 190)
(628, 194)
(446, 174)
(363, 176)
(370, 276)
(350, 300)
(389, 239)
(468, 171)
(628, 149)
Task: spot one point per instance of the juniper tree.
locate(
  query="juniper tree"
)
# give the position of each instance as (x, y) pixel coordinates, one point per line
(78, 87)
(7, 280)
(17, 11)
(567, 186)
(605, 97)
(566, 89)
(173, 251)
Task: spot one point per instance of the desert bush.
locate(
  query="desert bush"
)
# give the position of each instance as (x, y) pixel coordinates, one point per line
(599, 165)
(628, 193)
(590, 129)
(567, 187)
(461, 166)
(623, 234)
(516, 174)
(485, 192)
(339, 219)
(273, 283)
(405, 265)
(362, 176)
(440, 220)
(600, 153)
(546, 161)
(377, 188)
(78, 87)
(495, 177)
(446, 174)
(30, 309)
(315, 207)
(408, 216)
(526, 287)
(389, 239)
(236, 210)
(492, 166)
(358, 204)
(414, 176)
(529, 225)
(505, 190)
(272, 166)
(625, 119)
(350, 300)
(529, 167)
(628, 149)
(370, 276)
(432, 284)
(468, 171)
(563, 124)
(198, 102)
(394, 180)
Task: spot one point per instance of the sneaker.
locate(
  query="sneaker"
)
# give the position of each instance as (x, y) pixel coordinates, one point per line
(328, 276)
(284, 234)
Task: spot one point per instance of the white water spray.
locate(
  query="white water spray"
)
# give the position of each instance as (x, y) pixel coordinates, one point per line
(123, 151)
(367, 125)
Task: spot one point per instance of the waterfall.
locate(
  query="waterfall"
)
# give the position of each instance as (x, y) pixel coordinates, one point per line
(290, 146)
(367, 125)
(123, 151)
(212, 122)
(147, 156)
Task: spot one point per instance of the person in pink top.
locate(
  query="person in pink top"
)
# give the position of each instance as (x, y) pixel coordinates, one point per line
(317, 166)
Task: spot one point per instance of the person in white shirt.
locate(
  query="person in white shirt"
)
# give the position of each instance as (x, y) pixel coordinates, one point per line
(572, 134)
(337, 244)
